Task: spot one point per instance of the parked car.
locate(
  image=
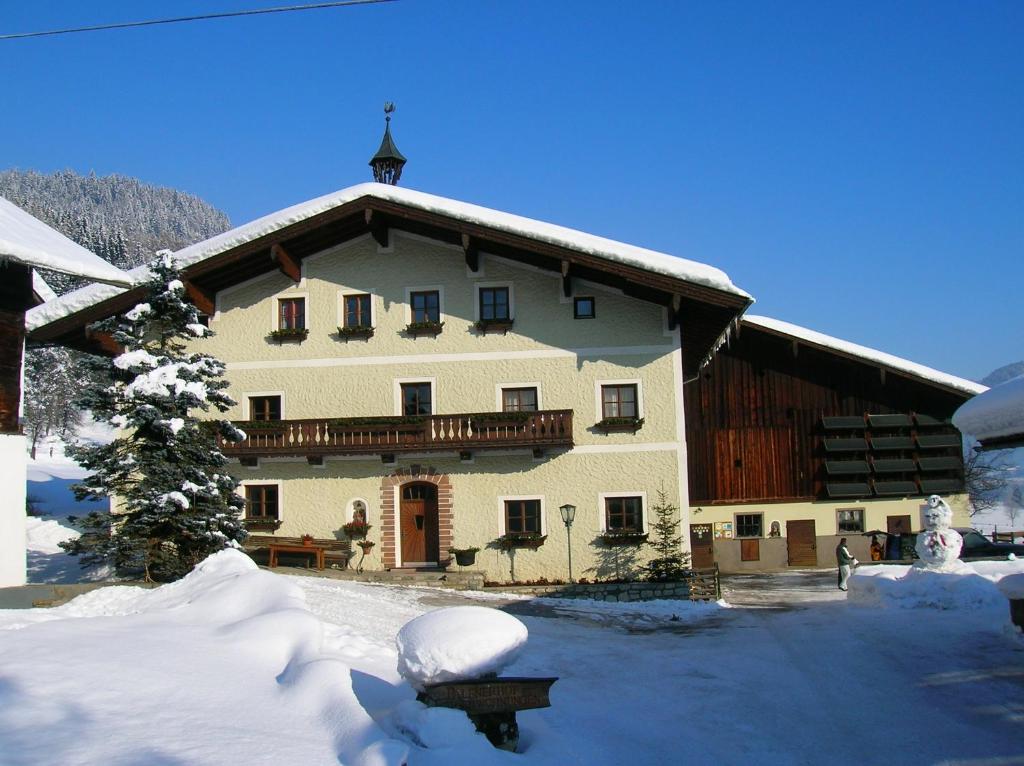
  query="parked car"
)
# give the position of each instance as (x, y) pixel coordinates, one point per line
(977, 546)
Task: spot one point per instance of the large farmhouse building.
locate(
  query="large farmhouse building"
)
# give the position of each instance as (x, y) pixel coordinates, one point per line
(453, 375)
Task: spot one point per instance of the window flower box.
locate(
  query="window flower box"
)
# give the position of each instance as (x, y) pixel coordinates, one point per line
(496, 419)
(531, 540)
(347, 333)
(356, 530)
(293, 334)
(485, 326)
(619, 425)
(262, 524)
(623, 537)
(415, 329)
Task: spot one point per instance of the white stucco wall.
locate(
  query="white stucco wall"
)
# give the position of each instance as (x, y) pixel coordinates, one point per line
(13, 462)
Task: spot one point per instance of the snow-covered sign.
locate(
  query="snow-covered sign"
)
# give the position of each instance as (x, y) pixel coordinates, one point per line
(28, 240)
(870, 355)
(606, 249)
(996, 417)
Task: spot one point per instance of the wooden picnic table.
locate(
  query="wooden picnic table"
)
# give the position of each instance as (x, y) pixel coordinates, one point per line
(317, 551)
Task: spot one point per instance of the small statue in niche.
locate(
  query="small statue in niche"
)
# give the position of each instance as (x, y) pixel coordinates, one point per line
(938, 546)
(775, 530)
(359, 512)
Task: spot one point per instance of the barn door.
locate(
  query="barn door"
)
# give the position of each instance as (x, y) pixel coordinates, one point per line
(418, 525)
(801, 543)
(702, 546)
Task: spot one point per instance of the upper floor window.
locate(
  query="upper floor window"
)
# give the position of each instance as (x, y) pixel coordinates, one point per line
(357, 311)
(623, 514)
(426, 306)
(262, 501)
(619, 401)
(416, 399)
(583, 308)
(494, 303)
(291, 313)
(264, 408)
(522, 516)
(749, 525)
(519, 399)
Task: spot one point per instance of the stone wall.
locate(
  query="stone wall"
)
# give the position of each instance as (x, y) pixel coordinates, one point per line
(630, 591)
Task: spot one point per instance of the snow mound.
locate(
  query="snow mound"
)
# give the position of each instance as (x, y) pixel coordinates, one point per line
(902, 587)
(457, 644)
(44, 536)
(1012, 586)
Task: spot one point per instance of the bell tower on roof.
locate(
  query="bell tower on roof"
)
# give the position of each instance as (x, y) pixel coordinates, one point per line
(388, 162)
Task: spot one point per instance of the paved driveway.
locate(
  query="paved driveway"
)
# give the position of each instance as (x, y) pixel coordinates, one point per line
(782, 590)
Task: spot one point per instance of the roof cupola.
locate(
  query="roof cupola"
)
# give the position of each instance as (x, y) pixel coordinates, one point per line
(387, 163)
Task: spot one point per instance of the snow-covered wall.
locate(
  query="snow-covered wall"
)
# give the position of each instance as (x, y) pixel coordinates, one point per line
(12, 510)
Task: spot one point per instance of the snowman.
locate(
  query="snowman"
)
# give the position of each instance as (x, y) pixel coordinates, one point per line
(938, 546)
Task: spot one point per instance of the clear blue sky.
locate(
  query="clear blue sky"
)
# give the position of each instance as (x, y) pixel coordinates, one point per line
(857, 167)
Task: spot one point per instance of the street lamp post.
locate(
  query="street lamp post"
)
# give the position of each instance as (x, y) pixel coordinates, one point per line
(568, 515)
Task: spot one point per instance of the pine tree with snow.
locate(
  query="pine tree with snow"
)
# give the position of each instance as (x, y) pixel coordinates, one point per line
(670, 563)
(175, 502)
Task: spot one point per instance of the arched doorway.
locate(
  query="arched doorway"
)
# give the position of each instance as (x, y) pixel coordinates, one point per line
(418, 525)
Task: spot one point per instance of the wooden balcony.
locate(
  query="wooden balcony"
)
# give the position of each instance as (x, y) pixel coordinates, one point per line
(320, 437)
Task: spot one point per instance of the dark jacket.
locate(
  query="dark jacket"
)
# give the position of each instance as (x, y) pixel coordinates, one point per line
(843, 555)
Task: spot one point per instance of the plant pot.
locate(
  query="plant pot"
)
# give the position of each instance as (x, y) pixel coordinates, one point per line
(465, 558)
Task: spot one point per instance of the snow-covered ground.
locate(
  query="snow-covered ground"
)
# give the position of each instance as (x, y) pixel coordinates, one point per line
(238, 665)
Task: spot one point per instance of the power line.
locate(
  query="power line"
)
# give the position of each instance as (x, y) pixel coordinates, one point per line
(153, 22)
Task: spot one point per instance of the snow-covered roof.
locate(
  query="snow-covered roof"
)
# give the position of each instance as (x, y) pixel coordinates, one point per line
(28, 240)
(996, 415)
(41, 289)
(867, 354)
(608, 249)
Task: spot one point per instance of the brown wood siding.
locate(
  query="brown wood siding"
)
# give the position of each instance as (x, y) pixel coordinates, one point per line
(753, 416)
(15, 298)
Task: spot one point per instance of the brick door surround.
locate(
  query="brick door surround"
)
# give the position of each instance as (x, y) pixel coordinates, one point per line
(390, 498)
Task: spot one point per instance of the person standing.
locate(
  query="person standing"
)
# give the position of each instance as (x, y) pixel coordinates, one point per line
(876, 549)
(845, 561)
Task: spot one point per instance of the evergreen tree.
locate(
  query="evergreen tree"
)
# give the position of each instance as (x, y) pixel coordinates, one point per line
(671, 563)
(176, 504)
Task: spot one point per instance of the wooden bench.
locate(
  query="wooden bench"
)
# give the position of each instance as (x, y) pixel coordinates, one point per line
(331, 552)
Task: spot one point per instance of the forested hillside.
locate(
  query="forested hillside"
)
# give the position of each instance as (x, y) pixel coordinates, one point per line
(121, 219)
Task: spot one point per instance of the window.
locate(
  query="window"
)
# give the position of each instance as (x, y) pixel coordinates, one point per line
(426, 306)
(357, 311)
(583, 308)
(522, 516)
(291, 314)
(264, 408)
(623, 514)
(493, 303)
(519, 399)
(749, 525)
(416, 399)
(261, 501)
(850, 520)
(618, 401)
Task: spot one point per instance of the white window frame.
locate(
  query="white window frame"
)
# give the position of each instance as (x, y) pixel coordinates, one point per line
(373, 304)
(599, 400)
(275, 308)
(477, 286)
(501, 511)
(280, 494)
(246, 414)
(424, 289)
(419, 379)
(499, 390)
(602, 516)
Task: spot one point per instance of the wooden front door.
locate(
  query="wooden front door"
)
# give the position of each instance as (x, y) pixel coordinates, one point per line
(801, 543)
(702, 545)
(418, 525)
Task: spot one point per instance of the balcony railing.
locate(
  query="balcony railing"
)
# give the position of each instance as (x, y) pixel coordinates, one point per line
(386, 435)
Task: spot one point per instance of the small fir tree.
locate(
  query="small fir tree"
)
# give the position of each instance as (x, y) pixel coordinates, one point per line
(175, 502)
(670, 563)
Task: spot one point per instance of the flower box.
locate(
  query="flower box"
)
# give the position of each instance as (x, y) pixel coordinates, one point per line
(356, 530)
(530, 540)
(282, 336)
(485, 326)
(415, 329)
(624, 538)
(347, 333)
(262, 524)
(620, 425)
